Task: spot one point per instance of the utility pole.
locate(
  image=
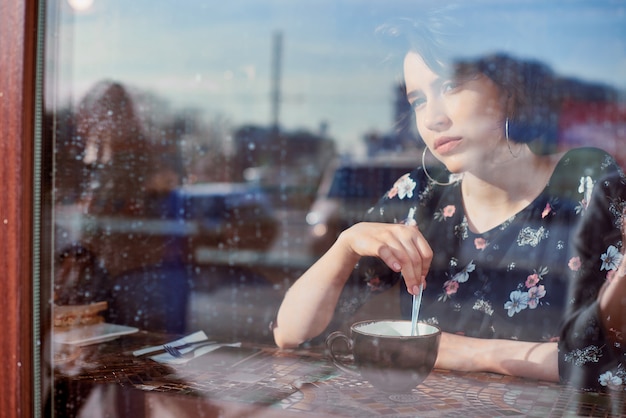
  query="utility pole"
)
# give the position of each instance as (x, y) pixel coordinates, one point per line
(275, 81)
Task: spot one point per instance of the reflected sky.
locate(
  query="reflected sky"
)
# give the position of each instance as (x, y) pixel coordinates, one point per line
(217, 55)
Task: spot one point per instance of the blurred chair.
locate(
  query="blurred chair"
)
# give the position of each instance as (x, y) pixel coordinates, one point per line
(153, 298)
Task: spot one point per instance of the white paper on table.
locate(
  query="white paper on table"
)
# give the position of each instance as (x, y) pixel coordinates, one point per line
(191, 338)
(167, 358)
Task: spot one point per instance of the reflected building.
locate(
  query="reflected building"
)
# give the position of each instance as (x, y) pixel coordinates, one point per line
(288, 165)
(403, 135)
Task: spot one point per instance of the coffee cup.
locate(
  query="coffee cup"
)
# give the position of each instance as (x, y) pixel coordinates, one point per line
(386, 354)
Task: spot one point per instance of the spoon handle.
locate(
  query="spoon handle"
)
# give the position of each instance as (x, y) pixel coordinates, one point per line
(417, 302)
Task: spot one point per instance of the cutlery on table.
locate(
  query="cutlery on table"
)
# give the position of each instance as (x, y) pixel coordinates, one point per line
(175, 351)
(198, 337)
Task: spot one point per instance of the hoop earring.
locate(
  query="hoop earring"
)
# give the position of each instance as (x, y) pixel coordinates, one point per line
(508, 142)
(428, 175)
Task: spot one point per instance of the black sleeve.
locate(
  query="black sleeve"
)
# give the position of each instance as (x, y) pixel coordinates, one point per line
(587, 359)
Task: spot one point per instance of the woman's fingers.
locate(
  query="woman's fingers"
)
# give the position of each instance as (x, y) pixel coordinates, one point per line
(420, 255)
(401, 247)
(427, 257)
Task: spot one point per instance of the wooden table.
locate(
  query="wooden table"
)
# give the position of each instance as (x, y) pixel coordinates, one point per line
(301, 382)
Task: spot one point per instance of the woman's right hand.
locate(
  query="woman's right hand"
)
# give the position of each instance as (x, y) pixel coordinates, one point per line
(402, 247)
(310, 302)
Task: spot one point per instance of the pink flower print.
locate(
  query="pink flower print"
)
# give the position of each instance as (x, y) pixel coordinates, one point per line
(448, 211)
(480, 243)
(534, 294)
(451, 287)
(546, 210)
(574, 263)
(532, 280)
(584, 203)
(610, 275)
(392, 192)
(374, 283)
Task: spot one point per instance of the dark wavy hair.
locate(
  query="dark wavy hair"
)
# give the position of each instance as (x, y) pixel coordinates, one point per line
(532, 89)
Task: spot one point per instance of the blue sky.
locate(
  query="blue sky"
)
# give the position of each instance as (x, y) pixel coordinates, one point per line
(216, 55)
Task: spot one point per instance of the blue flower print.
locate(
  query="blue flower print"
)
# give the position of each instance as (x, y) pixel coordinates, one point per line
(518, 302)
(610, 380)
(611, 259)
(532, 237)
(463, 275)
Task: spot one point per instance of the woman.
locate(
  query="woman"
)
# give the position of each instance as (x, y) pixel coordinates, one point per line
(489, 245)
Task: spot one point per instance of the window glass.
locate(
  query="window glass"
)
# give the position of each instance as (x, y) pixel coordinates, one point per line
(207, 153)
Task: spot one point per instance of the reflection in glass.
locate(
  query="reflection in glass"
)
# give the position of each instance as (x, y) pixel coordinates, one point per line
(196, 144)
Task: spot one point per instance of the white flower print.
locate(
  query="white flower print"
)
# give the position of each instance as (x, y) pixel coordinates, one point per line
(611, 259)
(483, 306)
(610, 380)
(506, 223)
(607, 162)
(410, 217)
(461, 229)
(579, 357)
(532, 237)
(585, 187)
(406, 185)
(518, 302)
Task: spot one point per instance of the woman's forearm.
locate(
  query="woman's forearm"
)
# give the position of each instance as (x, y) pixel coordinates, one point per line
(612, 302)
(309, 304)
(516, 358)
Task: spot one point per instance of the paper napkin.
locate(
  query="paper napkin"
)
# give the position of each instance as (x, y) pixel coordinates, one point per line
(199, 351)
(192, 338)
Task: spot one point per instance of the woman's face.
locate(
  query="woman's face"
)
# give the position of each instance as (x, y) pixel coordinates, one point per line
(461, 121)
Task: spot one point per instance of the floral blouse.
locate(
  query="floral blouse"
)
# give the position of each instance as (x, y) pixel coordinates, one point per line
(510, 282)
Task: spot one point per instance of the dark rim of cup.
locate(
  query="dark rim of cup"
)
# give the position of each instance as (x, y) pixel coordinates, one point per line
(355, 328)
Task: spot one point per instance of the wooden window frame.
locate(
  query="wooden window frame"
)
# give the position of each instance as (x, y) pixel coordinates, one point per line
(18, 52)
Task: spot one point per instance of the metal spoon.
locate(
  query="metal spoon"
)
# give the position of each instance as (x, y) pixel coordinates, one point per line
(417, 302)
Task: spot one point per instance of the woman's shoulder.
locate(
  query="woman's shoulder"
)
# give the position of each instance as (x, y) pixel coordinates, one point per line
(582, 163)
(409, 196)
(584, 159)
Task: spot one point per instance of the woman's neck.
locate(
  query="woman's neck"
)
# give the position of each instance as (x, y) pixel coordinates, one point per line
(491, 198)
